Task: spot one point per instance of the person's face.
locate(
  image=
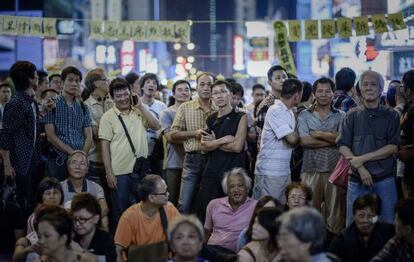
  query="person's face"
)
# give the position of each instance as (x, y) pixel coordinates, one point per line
(150, 87)
(258, 231)
(161, 194)
(258, 95)
(370, 89)
(121, 99)
(278, 77)
(186, 242)
(102, 84)
(221, 95)
(49, 239)
(235, 100)
(296, 198)
(56, 83)
(78, 166)
(291, 248)
(362, 220)
(5, 94)
(297, 98)
(323, 94)
(402, 231)
(236, 189)
(182, 93)
(84, 222)
(52, 197)
(71, 85)
(49, 100)
(34, 82)
(45, 83)
(203, 86)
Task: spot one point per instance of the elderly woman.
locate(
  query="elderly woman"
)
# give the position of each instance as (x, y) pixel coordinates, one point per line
(54, 228)
(263, 246)
(186, 236)
(297, 195)
(301, 235)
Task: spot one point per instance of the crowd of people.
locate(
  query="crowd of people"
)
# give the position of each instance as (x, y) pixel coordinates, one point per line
(94, 169)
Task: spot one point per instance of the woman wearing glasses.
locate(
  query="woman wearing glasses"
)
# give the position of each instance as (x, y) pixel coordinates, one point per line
(297, 195)
(86, 213)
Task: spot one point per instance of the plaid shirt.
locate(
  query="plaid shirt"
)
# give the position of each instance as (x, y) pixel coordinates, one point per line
(69, 122)
(395, 250)
(190, 117)
(342, 101)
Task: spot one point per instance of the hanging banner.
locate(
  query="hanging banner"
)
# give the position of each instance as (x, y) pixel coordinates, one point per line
(124, 31)
(10, 25)
(361, 25)
(379, 23)
(49, 27)
(96, 28)
(138, 30)
(344, 27)
(153, 31)
(36, 26)
(23, 25)
(295, 30)
(110, 30)
(283, 49)
(328, 28)
(311, 29)
(397, 21)
(182, 32)
(168, 32)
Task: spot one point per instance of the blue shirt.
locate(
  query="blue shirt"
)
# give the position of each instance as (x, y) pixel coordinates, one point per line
(19, 135)
(69, 122)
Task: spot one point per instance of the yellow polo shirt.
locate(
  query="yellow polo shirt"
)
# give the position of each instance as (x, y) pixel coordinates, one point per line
(110, 128)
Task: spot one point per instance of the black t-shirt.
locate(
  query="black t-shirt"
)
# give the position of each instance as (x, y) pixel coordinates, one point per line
(102, 244)
(219, 161)
(408, 139)
(11, 218)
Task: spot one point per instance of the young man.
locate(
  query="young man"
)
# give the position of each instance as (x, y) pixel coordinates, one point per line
(187, 128)
(318, 129)
(20, 134)
(275, 78)
(279, 137)
(345, 81)
(258, 94)
(117, 154)
(369, 137)
(175, 151)
(223, 139)
(149, 84)
(5, 96)
(68, 126)
(55, 82)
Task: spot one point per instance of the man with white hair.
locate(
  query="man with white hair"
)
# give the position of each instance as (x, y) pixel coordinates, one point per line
(228, 216)
(368, 138)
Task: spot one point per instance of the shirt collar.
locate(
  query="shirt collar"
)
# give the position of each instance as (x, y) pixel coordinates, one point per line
(197, 105)
(117, 112)
(72, 189)
(226, 202)
(312, 109)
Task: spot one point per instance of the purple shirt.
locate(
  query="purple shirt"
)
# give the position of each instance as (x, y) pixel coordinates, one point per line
(226, 223)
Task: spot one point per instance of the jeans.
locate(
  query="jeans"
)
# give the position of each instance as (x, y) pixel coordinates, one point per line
(125, 195)
(193, 167)
(385, 189)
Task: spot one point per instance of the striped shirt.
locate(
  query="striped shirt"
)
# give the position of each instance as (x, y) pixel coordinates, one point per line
(321, 159)
(275, 153)
(69, 122)
(190, 117)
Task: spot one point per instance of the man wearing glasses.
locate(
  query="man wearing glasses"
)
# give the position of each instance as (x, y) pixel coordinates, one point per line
(141, 224)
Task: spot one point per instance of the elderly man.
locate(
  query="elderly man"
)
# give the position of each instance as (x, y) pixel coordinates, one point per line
(141, 224)
(301, 235)
(369, 137)
(77, 183)
(227, 216)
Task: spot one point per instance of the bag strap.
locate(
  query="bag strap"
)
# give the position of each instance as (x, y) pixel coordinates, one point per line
(127, 134)
(164, 221)
(250, 252)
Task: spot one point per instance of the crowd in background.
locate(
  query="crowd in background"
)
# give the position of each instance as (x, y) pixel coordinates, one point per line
(94, 169)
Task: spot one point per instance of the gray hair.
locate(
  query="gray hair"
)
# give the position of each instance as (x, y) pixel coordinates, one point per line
(185, 219)
(237, 171)
(375, 74)
(307, 225)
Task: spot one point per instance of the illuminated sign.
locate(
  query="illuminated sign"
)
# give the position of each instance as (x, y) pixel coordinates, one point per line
(127, 57)
(238, 53)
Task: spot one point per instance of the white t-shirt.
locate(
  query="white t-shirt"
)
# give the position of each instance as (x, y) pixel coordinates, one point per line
(155, 108)
(274, 155)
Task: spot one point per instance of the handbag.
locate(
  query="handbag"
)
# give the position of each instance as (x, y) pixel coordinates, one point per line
(339, 175)
(141, 165)
(156, 252)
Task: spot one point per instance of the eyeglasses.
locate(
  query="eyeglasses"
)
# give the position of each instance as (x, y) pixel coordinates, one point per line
(82, 220)
(161, 194)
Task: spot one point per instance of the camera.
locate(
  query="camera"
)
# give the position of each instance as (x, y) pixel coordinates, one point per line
(134, 100)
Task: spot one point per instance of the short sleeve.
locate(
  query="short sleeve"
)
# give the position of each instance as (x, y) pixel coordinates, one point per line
(303, 127)
(123, 233)
(346, 131)
(166, 120)
(179, 120)
(99, 193)
(105, 127)
(208, 224)
(279, 122)
(87, 122)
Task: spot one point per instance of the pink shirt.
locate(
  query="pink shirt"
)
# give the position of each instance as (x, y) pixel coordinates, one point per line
(226, 223)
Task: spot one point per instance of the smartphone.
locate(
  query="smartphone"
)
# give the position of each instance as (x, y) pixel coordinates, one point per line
(134, 100)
